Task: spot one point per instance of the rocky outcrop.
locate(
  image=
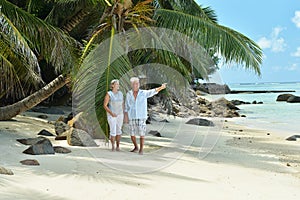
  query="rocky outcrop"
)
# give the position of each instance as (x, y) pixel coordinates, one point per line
(293, 99)
(198, 106)
(212, 88)
(283, 97)
(200, 122)
(77, 137)
(239, 102)
(5, 171)
(41, 147)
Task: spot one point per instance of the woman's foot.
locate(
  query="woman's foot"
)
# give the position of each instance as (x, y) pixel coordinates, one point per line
(118, 149)
(113, 149)
(135, 150)
(141, 152)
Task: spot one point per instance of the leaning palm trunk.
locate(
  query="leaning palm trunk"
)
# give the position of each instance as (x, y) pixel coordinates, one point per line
(29, 102)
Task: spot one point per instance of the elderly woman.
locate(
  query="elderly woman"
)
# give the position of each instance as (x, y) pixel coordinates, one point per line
(136, 111)
(114, 104)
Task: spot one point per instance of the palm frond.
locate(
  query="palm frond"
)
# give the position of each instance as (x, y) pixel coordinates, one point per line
(189, 7)
(46, 41)
(232, 45)
(92, 81)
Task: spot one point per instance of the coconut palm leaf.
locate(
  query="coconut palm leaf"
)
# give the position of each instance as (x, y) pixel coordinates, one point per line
(93, 80)
(189, 7)
(232, 45)
(45, 40)
(18, 62)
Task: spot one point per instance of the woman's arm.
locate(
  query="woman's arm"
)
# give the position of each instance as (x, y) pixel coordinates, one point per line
(105, 105)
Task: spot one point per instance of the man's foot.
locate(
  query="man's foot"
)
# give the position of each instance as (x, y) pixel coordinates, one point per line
(118, 149)
(113, 149)
(135, 150)
(141, 152)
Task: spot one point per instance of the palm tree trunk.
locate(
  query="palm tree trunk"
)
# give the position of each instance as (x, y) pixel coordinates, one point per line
(72, 23)
(10, 111)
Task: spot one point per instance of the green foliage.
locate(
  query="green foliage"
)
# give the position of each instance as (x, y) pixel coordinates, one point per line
(25, 39)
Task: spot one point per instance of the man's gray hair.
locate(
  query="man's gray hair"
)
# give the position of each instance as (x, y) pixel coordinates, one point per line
(134, 79)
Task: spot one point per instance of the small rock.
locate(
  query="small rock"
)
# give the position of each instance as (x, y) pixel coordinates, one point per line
(155, 133)
(243, 115)
(254, 102)
(200, 122)
(45, 133)
(241, 130)
(268, 134)
(42, 116)
(59, 149)
(61, 137)
(288, 164)
(61, 127)
(47, 110)
(164, 120)
(77, 137)
(260, 102)
(284, 97)
(30, 162)
(293, 138)
(41, 147)
(30, 141)
(294, 99)
(5, 171)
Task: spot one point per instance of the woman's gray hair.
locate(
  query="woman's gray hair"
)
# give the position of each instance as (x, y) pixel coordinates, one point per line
(113, 82)
(134, 79)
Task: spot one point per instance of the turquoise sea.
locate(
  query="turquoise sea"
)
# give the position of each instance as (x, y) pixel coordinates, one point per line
(280, 117)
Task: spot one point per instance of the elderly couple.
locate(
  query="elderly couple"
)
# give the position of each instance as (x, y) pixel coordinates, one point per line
(134, 113)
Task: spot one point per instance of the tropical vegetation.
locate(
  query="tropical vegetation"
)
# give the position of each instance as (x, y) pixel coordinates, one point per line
(43, 44)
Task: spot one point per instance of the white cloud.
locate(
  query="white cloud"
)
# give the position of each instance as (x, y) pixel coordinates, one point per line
(274, 41)
(264, 43)
(293, 67)
(296, 19)
(297, 53)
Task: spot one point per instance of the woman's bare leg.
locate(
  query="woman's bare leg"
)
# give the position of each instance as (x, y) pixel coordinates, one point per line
(118, 139)
(112, 140)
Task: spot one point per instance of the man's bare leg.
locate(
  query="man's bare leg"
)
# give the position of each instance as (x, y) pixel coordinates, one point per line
(118, 139)
(112, 140)
(142, 140)
(136, 148)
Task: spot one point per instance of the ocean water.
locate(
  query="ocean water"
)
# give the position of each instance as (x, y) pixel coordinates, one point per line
(280, 117)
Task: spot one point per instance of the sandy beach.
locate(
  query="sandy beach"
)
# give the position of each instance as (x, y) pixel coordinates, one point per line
(227, 161)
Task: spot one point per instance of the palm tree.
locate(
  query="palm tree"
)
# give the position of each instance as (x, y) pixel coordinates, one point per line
(24, 40)
(96, 20)
(184, 16)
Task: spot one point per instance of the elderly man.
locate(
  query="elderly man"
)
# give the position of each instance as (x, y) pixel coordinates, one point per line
(136, 111)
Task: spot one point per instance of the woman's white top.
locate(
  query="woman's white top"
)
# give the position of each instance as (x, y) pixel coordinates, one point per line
(115, 103)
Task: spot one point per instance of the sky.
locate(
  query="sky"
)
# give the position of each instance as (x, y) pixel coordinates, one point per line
(274, 25)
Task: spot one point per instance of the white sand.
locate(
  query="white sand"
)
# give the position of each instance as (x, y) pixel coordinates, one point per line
(200, 163)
